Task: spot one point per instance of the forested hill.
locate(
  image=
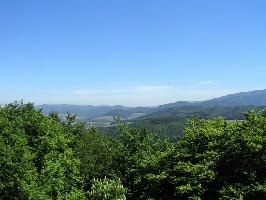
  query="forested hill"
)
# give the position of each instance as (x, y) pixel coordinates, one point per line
(256, 98)
(228, 112)
(171, 122)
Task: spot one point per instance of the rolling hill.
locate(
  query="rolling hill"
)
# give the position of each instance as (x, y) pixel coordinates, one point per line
(255, 98)
(97, 113)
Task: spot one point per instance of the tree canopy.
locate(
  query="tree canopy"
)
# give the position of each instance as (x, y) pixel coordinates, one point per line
(46, 157)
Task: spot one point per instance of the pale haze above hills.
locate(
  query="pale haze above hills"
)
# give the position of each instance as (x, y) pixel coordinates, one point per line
(254, 98)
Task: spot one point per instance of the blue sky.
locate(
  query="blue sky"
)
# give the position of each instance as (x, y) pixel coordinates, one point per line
(138, 52)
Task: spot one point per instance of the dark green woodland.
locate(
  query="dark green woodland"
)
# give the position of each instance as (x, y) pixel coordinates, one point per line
(210, 157)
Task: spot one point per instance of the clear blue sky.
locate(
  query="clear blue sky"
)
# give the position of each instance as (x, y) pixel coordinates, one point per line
(138, 52)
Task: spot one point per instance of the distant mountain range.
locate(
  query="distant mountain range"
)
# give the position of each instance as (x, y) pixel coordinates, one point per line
(252, 98)
(255, 98)
(98, 113)
(82, 111)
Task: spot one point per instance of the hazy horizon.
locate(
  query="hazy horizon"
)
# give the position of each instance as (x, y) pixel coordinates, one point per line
(148, 105)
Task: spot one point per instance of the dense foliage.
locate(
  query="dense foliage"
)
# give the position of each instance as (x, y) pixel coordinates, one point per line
(45, 157)
(36, 158)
